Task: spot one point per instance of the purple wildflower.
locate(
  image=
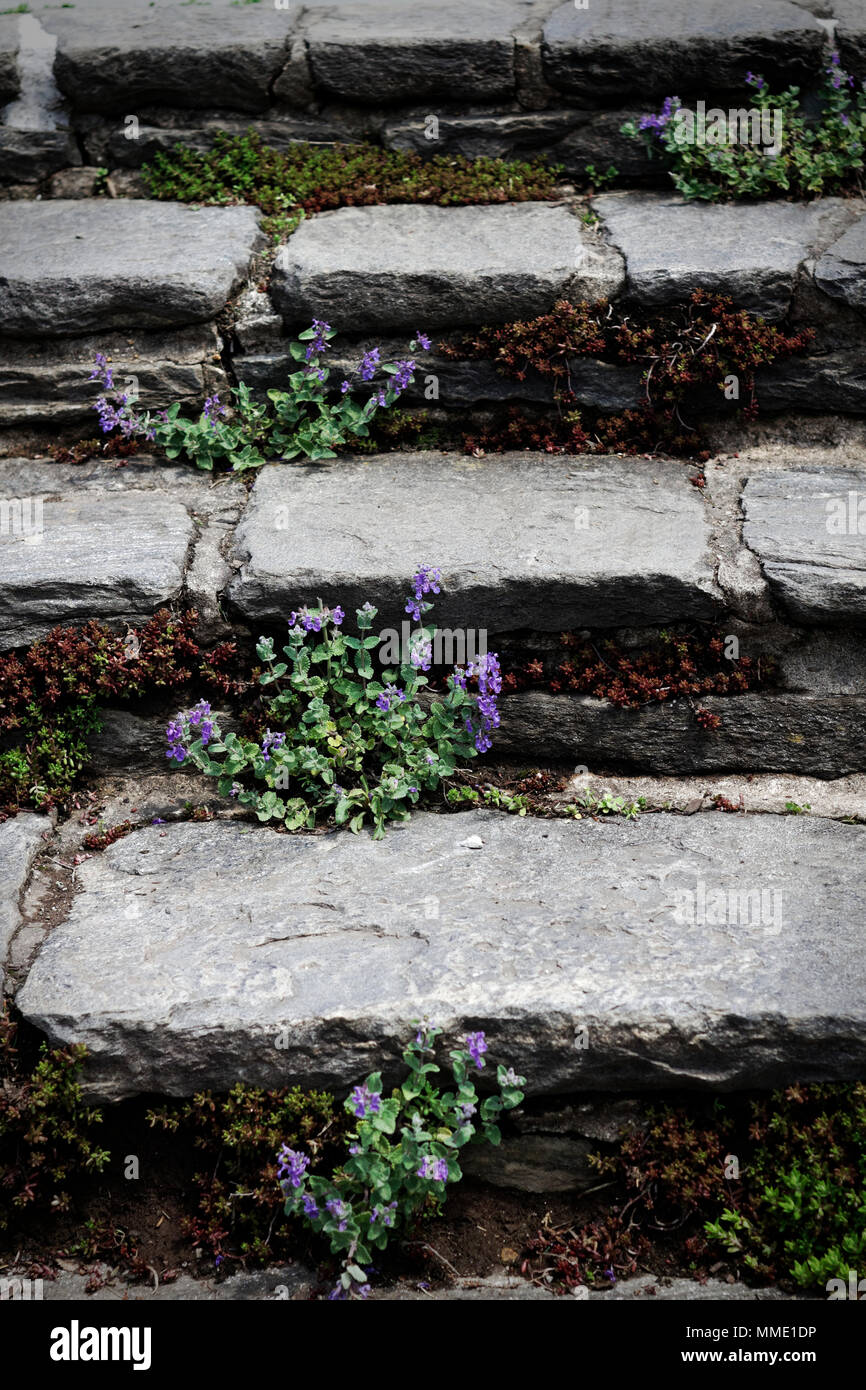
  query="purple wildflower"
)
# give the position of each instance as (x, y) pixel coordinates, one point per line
(291, 1165)
(476, 1045)
(310, 1208)
(369, 363)
(383, 1214)
(391, 694)
(271, 742)
(340, 1211)
(423, 341)
(174, 735)
(426, 581)
(403, 376)
(435, 1169)
(365, 1102)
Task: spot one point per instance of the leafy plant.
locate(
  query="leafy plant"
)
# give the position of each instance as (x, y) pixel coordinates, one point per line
(606, 804)
(706, 343)
(302, 422)
(517, 805)
(346, 742)
(50, 695)
(236, 1136)
(820, 154)
(601, 178)
(307, 178)
(383, 1184)
(46, 1138)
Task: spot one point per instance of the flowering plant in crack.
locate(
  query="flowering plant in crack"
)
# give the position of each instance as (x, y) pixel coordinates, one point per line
(344, 739)
(778, 147)
(402, 1154)
(309, 420)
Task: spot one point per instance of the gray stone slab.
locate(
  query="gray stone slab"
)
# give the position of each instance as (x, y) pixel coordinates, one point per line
(194, 953)
(841, 271)
(851, 34)
(47, 379)
(20, 842)
(522, 540)
(820, 736)
(808, 529)
(413, 267)
(70, 266)
(112, 557)
(750, 252)
(380, 51)
(27, 156)
(10, 79)
(616, 47)
(116, 55)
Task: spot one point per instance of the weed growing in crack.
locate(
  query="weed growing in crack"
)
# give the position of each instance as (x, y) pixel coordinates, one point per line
(340, 740)
(702, 346)
(816, 155)
(303, 422)
(307, 178)
(384, 1183)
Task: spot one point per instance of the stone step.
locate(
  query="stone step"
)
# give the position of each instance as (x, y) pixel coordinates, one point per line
(608, 543)
(619, 547)
(717, 951)
(72, 267)
(408, 267)
(380, 53)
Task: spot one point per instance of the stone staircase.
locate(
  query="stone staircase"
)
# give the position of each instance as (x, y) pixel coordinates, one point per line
(700, 950)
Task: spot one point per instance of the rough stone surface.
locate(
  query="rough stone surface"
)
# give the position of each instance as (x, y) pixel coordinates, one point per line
(851, 34)
(10, 80)
(749, 251)
(840, 798)
(834, 381)
(841, 271)
(535, 1163)
(118, 55)
(582, 949)
(375, 51)
(614, 47)
(110, 557)
(600, 544)
(30, 155)
(413, 267)
(70, 266)
(818, 736)
(808, 529)
(20, 842)
(47, 380)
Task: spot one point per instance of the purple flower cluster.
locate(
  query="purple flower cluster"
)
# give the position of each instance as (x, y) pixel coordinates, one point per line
(383, 1214)
(116, 414)
(174, 734)
(390, 695)
(403, 376)
(756, 81)
(421, 652)
(340, 1211)
(369, 364)
(425, 1035)
(658, 123)
(465, 1112)
(270, 743)
(200, 716)
(319, 342)
(476, 1046)
(291, 1166)
(436, 1169)
(426, 581)
(486, 715)
(836, 75)
(365, 1102)
(102, 372)
(313, 619)
(422, 340)
(309, 1205)
(212, 408)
